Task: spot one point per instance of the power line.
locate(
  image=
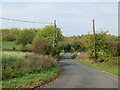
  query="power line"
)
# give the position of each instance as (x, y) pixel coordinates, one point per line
(24, 21)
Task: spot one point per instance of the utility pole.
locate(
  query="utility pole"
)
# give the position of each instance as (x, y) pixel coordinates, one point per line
(95, 55)
(54, 34)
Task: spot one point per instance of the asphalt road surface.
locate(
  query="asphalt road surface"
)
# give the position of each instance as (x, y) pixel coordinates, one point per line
(76, 75)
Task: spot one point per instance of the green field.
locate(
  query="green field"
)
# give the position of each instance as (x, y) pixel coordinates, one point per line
(10, 45)
(24, 69)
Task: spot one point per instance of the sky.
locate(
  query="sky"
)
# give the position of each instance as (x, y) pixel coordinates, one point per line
(74, 18)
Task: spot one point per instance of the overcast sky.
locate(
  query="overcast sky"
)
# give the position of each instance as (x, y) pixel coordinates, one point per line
(72, 18)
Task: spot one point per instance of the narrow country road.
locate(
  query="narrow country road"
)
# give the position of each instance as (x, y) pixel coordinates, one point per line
(76, 75)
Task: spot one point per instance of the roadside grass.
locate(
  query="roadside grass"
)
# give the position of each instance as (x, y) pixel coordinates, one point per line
(109, 66)
(25, 69)
(10, 45)
(32, 80)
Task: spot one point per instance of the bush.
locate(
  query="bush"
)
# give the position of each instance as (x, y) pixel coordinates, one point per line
(43, 45)
(46, 49)
(101, 45)
(55, 52)
(43, 48)
(9, 37)
(91, 54)
(25, 37)
(10, 34)
(114, 47)
(25, 49)
(43, 42)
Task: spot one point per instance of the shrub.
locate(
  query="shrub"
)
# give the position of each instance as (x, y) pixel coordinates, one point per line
(114, 47)
(43, 41)
(10, 37)
(25, 37)
(10, 34)
(25, 49)
(41, 45)
(43, 48)
(101, 45)
(55, 52)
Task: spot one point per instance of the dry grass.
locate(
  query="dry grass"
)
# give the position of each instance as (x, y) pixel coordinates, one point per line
(83, 56)
(21, 64)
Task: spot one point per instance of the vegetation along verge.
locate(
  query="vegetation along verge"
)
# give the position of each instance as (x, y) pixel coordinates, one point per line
(25, 69)
(107, 51)
(110, 66)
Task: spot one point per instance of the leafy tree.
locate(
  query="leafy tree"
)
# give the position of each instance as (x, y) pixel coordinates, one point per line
(85, 42)
(64, 45)
(70, 43)
(10, 34)
(102, 44)
(10, 37)
(47, 33)
(43, 41)
(25, 37)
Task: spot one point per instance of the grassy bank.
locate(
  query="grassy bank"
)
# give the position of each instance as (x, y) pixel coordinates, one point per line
(110, 66)
(23, 69)
(32, 80)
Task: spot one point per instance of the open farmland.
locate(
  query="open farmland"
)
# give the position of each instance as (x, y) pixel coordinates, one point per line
(9, 45)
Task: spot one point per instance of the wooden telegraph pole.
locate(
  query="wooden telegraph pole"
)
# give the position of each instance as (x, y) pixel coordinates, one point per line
(54, 34)
(95, 55)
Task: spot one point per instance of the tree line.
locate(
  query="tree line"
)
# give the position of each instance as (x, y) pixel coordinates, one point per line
(42, 40)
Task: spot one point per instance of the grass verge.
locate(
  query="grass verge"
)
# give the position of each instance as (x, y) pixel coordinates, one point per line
(110, 66)
(32, 80)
